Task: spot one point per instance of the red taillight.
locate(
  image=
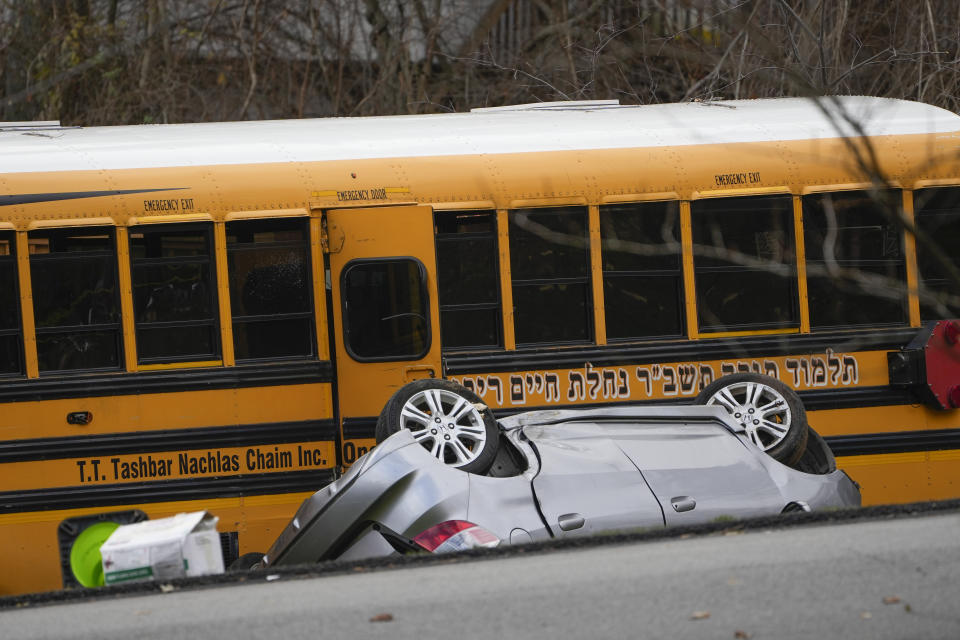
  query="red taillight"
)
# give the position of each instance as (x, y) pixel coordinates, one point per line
(455, 535)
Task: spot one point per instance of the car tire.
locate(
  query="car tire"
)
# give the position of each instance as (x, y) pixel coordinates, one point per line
(246, 562)
(449, 420)
(817, 458)
(770, 411)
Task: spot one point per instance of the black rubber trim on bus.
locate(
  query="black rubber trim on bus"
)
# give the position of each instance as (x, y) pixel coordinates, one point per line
(107, 444)
(616, 354)
(167, 381)
(857, 398)
(359, 428)
(33, 198)
(899, 442)
(163, 491)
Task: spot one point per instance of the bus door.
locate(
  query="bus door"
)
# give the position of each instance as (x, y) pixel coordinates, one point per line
(385, 315)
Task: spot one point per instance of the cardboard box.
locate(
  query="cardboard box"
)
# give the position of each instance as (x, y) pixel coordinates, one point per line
(186, 544)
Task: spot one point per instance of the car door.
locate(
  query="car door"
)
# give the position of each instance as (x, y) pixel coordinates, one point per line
(586, 484)
(698, 470)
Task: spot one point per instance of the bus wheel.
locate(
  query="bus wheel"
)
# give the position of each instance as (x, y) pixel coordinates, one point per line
(246, 562)
(449, 420)
(770, 411)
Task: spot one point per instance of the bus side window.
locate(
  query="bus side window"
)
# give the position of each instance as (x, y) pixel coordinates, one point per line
(10, 360)
(270, 292)
(745, 263)
(550, 271)
(76, 303)
(937, 213)
(642, 277)
(856, 273)
(174, 293)
(386, 312)
(468, 279)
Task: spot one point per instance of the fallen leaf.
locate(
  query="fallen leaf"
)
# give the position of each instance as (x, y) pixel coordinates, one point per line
(908, 608)
(891, 600)
(866, 615)
(166, 588)
(700, 615)
(741, 635)
(382, 617)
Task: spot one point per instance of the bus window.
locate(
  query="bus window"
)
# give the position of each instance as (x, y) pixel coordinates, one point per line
(642, 278)
(856, 274)
(937, 213)
(550, 272)
(745, 263)
(174, 293)
(10, 360)
(468, 279)
(75, 298)
(270, 297)
(386, 315)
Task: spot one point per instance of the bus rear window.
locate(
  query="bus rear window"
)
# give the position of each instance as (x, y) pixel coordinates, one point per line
(10, 360)
(856, 274)
(386, 312)
(937, 213)
(75, 298)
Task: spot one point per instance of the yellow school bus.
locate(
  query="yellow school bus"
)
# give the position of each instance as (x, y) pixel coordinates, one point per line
(211, 316)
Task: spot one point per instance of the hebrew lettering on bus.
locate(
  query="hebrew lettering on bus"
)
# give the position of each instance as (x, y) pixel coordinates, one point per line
(660, 380)
(489, 388)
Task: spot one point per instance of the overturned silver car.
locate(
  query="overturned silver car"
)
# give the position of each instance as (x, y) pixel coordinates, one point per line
(555, 474)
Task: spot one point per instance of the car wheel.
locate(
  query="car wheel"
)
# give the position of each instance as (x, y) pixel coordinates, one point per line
(447, 419)
(246, 562)
(770, 411)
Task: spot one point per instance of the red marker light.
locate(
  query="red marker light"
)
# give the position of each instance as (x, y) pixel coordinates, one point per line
(953, 396)
(951, 332)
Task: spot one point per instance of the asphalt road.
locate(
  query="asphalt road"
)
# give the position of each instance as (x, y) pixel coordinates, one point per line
(895, 578)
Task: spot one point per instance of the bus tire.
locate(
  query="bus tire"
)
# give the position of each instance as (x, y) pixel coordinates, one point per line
(247, 562)
(770, 411)
(449, 420)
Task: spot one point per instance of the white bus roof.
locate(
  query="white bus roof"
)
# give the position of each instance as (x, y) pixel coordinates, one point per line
(517, 129)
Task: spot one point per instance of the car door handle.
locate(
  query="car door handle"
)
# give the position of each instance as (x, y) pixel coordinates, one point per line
(570, 521)
(683, 503)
